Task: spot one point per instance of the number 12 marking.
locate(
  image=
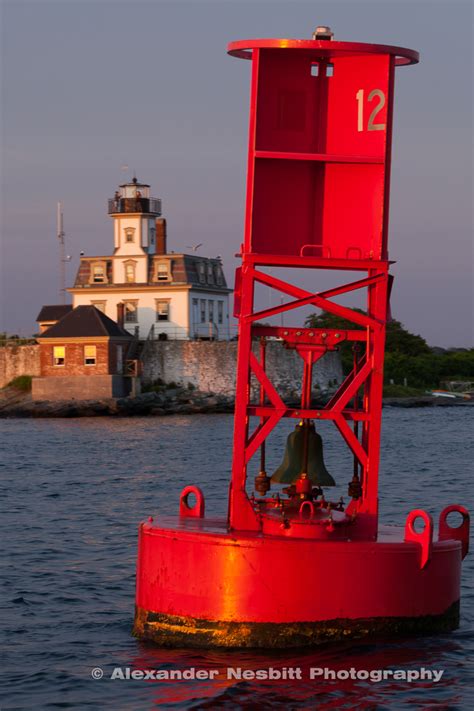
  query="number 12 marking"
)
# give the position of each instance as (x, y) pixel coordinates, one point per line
(371, 126)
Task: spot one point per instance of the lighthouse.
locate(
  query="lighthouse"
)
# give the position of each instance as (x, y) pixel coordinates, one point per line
(292, 564)
(158, 293)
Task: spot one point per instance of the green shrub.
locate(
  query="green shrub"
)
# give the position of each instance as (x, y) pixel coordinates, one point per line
(155, 387)
(401, 391)
(426, 371)
(22, 383)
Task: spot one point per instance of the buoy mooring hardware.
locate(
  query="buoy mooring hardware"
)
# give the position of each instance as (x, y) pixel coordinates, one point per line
(289, 567)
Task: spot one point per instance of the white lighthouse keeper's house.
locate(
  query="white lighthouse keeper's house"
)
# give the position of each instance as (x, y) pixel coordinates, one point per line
(160, 294)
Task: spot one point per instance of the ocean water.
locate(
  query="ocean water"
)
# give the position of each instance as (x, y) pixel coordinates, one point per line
(73, 493)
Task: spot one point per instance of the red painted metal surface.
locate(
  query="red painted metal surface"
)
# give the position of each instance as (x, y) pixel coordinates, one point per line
(324, 48)
(318, 177)
(207, 573)
(187, 508)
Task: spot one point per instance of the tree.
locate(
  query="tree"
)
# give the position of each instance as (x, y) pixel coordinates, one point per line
(327, 320)
(398, 338)
(407, 354)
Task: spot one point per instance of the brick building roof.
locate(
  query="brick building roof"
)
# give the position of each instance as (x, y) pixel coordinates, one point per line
(85, 321)
(53, 312)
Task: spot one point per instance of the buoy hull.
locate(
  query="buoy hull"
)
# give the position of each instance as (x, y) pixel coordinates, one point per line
(198, 585)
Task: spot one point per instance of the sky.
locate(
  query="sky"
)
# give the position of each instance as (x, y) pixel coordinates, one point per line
(89, 86)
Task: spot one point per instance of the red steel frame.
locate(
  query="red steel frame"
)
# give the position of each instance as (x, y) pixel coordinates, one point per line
(312, 343)
(368, 374)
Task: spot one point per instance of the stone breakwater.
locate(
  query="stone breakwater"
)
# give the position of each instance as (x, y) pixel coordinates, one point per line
(170, 401)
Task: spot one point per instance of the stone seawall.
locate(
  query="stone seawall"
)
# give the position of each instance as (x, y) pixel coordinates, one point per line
(207, 365)
(18, 360)
(210, 365)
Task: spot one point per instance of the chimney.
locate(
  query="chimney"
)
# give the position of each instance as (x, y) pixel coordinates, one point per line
(120, 314)
(160, 236)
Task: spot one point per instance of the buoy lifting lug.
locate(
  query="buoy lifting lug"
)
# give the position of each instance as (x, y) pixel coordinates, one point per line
(196, 511)
(459, 533)
(424, 537)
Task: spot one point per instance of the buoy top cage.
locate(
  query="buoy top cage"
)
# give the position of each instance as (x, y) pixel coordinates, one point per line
(328, 49)
(318, 175)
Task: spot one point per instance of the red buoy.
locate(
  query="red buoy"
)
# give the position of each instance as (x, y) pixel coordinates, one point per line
(290, 567)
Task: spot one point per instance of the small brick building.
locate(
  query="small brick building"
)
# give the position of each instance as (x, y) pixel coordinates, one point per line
(83, 357)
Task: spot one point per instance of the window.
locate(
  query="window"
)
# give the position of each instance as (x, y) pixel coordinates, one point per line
(210, 274)
(129, 234)
(203, 310)
(98, 274)
(59, 355)
(131, 311)
(220, 312)
(195, 311)
(202, 272)
(129, 272)
(90, 354)
(152, 235)
(211, 310)
(219, 276)
(162, 310)
(100, 305)
(162, 271)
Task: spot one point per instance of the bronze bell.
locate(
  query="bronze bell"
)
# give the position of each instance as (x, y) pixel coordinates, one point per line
(303, 454)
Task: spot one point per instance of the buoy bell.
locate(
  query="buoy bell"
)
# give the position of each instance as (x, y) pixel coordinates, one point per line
(303, 457)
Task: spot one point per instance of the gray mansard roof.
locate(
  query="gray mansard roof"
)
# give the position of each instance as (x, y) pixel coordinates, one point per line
(184, 271)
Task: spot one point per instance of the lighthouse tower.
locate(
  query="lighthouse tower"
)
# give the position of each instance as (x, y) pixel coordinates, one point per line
(135, 215)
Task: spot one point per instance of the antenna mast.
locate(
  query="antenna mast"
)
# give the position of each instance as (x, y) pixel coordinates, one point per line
(62, 255)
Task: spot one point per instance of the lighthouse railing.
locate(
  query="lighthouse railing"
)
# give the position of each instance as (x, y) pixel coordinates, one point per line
(131, 204)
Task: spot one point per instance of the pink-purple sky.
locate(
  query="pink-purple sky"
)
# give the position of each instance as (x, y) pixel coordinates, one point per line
(91, 85)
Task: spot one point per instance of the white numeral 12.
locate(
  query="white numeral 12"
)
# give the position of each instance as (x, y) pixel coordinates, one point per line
(371, 126)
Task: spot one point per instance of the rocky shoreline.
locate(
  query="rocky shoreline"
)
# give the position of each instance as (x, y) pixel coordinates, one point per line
(171, 401)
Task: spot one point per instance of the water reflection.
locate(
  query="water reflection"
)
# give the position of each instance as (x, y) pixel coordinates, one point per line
(312, 690)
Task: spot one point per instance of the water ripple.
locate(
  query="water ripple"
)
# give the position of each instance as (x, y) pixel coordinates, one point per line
(73, 492)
